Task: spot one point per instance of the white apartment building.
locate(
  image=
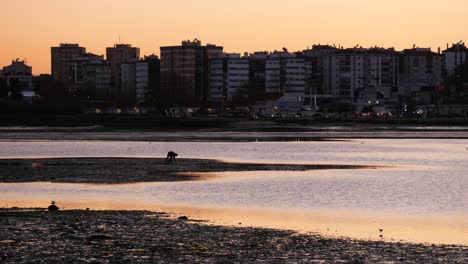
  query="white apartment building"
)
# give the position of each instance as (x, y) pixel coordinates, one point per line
(128, 82)
(216, 91)
(382, 75)
(455, 56)
(361, 76)
(134, 81)
(345, 74)
(273, 76)
(285, 73)
(141, 81)
(229, 77)
(295, 74)
(103, 80)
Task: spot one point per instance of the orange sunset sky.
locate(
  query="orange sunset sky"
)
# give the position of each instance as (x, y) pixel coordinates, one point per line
(31, 27)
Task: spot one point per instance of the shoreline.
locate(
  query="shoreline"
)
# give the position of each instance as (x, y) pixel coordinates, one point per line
(230, 130)
(112, 236)
(224, 136)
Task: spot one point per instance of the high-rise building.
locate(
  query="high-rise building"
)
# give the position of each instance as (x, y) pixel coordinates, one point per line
(184, 72)
(293, 73)
(139, 79)
(279, 73)
(81, 75)
(63, 59)
(154, 76)
(128, 76)
(317, 75)
(273, 78)
(358, 75)
(102, 80)
(117, 56)
(79, 67)
(257, 77)
(217, 91)
(346, 76)
(229, 78)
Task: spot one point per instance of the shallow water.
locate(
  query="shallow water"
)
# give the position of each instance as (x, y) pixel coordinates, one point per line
(422, 198)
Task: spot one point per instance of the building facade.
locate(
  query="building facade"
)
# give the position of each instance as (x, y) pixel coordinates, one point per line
(19, 74)
(141, 81)
(154, 77)
(82, 74)
(185, 72)
(454, 57)
(229, 78)
(359, 76)
(63, 59)
(102, 80)
(117, 56)
(420, 74)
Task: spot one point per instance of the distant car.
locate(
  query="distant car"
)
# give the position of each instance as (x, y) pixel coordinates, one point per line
(112, 111)
(253, 117)
(384, 114)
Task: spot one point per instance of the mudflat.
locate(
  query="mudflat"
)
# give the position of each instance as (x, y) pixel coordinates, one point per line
(38, 236)
(134, 170)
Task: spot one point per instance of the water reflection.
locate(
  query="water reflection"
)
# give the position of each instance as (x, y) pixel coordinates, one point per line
(423, 199)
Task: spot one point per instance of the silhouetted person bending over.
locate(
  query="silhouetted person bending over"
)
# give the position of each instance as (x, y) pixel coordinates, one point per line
(171, 155)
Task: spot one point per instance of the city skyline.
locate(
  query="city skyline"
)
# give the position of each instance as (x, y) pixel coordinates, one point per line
(32, 27)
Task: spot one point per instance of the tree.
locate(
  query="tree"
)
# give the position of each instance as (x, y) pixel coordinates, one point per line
(11, 89)
(52, 90)
(3, 88)
(15, 90)
(460, 76)
(54, 99)
(459, 79)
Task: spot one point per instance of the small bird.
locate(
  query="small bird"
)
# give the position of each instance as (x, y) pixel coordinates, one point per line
(52, 207)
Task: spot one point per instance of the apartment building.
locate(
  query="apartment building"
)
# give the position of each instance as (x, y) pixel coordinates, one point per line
(229, 78)
(63, 59)
(185, 72)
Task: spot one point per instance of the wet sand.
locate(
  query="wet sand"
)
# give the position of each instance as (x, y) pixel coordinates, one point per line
(149, 237)
(135, 170)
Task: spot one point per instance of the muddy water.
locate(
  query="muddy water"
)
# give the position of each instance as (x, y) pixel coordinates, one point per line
(423, 198)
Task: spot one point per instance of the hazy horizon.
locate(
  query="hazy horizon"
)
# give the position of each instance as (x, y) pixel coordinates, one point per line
(31, 27)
